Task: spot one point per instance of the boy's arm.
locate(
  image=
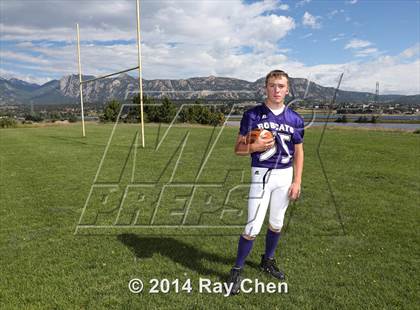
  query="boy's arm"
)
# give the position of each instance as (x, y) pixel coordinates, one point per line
(294, 190)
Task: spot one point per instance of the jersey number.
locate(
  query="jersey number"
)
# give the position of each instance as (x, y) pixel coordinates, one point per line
(284, 139)
(270, 152)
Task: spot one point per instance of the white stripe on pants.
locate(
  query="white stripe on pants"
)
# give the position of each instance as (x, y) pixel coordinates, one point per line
(272, 191)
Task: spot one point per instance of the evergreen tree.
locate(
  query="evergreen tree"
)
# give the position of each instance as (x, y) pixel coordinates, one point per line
(166, 111)
(111, 111)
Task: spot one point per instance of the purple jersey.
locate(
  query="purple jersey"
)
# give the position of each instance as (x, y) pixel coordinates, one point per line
(287, 128)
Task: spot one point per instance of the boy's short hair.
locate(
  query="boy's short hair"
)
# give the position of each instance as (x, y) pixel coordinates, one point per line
(276, 74)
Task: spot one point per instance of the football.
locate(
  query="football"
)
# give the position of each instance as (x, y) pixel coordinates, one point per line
(258, 133)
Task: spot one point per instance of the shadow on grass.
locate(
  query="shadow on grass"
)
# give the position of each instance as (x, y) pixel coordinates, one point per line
(178, 251)
(72, 140)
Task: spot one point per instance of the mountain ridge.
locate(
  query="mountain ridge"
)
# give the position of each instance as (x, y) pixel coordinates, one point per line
(66, 90)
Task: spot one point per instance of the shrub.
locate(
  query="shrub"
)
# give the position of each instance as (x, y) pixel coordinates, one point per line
(72, 118)
(7, 122)
(201, 114)
(34, 117)
(217, 119)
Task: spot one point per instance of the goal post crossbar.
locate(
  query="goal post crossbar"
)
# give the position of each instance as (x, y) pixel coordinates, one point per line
(109, 75)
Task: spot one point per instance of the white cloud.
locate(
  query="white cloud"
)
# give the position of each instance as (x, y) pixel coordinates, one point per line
(311, 21)
(339, 36)
(332, 13)
(351, 1)
(173, 45)
(366, 52)
(284, 7)
(356, 43)
(21, 57)
(411, 51)
(302, 3)
(24, 77)
(115, 20)
(394, 76)
(307, 35)
(362, 48)
(64, 34)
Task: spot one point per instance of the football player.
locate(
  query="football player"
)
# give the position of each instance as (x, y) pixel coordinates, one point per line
(276, 166)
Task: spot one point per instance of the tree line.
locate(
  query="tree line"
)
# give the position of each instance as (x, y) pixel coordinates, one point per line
(165, 112)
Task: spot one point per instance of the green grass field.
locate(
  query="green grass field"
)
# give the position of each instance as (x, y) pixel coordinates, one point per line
(362, 253)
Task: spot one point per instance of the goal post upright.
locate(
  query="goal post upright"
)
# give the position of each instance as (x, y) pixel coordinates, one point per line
(139, 67)
(140, 71)
(80, 80)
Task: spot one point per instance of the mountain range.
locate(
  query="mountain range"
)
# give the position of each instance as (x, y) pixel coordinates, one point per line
(66, 90)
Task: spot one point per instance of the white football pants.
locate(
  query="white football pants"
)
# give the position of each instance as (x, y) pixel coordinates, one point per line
(269, 187)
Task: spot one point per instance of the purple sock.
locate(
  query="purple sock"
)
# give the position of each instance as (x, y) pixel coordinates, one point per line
(271, 241)
(244, 247)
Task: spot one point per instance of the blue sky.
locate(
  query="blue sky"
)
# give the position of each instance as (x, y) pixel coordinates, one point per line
(390, 26)
(367, 40)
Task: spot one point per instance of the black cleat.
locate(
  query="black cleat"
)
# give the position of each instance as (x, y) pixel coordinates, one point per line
(236, 279)
(269, 266)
